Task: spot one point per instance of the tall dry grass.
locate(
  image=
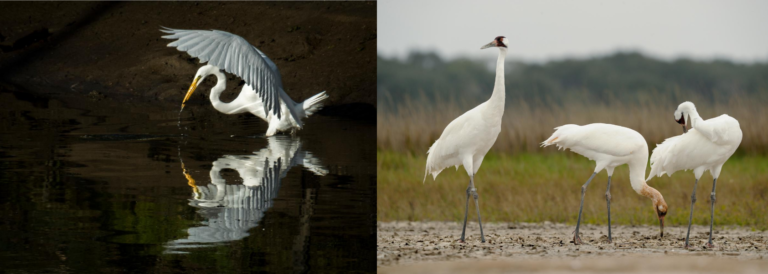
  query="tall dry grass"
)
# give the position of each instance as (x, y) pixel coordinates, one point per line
(414, 125)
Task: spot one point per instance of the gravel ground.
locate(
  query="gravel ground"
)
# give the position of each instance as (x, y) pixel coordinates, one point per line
(523, 247)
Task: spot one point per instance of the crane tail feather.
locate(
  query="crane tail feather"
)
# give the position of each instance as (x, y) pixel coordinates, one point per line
(661, 157)
(558, 136)
(432, 167)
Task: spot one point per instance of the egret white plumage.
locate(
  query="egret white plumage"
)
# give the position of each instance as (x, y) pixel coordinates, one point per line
(467, 139)
(706, 146)
(610, 146)
(262, 95)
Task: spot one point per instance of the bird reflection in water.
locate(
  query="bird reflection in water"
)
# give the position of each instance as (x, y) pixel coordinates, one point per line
(231, 210)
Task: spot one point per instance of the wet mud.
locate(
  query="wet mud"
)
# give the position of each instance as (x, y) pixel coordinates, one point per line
(418, 246)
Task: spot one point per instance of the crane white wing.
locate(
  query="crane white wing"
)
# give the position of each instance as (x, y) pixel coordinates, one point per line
(720, 130)
(466, 136)
(594, 139)
(235, 55)
(689, 151)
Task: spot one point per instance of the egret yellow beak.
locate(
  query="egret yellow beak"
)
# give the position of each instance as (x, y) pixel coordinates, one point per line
(190, 91)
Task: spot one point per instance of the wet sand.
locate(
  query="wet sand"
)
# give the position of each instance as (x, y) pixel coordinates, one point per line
(404, 247)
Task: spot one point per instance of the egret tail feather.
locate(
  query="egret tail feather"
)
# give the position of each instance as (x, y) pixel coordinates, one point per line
(314, 103)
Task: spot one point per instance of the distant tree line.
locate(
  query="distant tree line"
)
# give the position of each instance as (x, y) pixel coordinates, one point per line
(621, 76)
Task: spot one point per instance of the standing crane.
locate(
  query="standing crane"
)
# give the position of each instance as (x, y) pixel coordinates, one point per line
(467, 139)
(706, 146)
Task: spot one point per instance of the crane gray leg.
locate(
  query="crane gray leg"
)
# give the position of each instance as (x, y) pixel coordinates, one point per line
(466, 209)
(576, 238)
(712, 216)
(474, 192)
(690, 217)
(608, 201)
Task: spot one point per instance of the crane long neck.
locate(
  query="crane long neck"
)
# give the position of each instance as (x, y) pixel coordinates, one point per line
(693, 117)
(637, 166)
(498, 87)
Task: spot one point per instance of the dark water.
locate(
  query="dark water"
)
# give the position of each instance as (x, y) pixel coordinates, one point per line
(110, 186)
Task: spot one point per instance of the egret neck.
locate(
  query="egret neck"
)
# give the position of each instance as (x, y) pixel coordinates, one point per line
(221, 85)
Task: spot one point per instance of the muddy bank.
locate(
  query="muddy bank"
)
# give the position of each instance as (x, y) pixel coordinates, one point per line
(409, 245)
(114, 50)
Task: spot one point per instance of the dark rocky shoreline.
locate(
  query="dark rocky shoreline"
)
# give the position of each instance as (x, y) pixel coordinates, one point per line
(113, 51)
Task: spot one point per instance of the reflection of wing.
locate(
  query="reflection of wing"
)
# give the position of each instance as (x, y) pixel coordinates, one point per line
(233, 209)
(313, 164)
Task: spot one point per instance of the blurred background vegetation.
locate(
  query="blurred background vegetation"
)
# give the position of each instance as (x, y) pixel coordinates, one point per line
(519, 181)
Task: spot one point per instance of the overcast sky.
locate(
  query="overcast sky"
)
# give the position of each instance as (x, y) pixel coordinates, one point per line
(546, 30)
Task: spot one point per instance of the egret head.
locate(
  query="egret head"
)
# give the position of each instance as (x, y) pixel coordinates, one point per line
(684, 109)
(199, 76)
(499, 42)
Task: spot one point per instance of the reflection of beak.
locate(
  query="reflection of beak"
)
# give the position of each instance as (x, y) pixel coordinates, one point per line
(190, 181)
(191, 90)
(491, 44)
(661, 221)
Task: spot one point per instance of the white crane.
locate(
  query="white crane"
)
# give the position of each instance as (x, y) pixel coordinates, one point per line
(706, 146)
(262, 95)
(467, 139)
(610, 146)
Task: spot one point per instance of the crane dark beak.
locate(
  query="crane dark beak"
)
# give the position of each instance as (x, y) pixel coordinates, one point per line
(661, 230)
(682, 122)
(191, 90)
(489, 45)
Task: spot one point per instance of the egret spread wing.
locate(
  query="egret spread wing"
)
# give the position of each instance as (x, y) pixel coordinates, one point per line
(234, 55)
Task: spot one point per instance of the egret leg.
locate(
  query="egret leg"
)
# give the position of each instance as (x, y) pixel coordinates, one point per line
(474, 192)
(466, 209)
(690, 217)
(576, 238)
(712, 216)
(608, 201)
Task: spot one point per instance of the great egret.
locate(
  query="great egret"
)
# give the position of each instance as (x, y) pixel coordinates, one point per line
(262, 95)
(706, 146)
(610, 146)
(233, 209)
(466, 140)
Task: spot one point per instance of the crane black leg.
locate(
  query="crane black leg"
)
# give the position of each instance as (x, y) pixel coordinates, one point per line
(474, 192)
(690, 217)
(712, 216)
(608, 201)
(576, 238)
(466, 209)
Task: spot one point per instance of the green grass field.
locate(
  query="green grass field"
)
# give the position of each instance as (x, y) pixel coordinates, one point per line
(536, 187)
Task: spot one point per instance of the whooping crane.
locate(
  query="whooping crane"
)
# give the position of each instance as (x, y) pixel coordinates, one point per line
(706, 146)
(610, 146)
(467, 139)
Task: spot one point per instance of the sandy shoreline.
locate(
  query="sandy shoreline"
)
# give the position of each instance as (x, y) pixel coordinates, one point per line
(422, 246)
